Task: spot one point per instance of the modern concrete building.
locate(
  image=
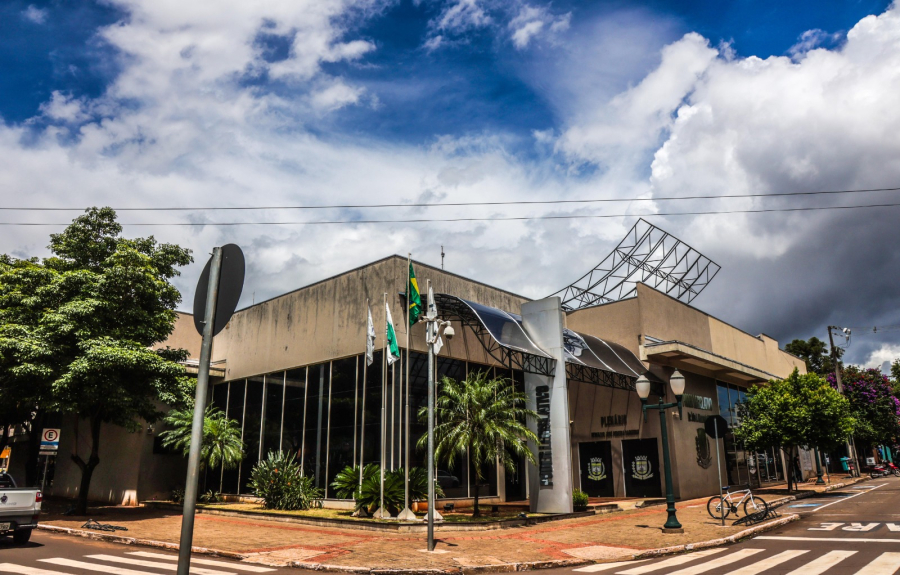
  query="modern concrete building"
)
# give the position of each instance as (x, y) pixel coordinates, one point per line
(292, 371)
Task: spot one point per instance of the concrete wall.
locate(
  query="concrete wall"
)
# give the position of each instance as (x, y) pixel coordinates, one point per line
(184, 336)
(128, 472)
(328, 319)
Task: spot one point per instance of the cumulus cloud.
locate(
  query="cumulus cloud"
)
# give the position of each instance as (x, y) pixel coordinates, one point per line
(35, 14)
(205, 112)
(886, 353)
(518, 22)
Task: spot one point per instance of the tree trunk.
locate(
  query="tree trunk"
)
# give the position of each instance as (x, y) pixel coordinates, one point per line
(87, 468)
(33, 450)
(4, 438)
(789, 469)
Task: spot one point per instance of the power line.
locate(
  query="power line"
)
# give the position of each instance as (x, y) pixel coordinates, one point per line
(458, 204)
(488, 219)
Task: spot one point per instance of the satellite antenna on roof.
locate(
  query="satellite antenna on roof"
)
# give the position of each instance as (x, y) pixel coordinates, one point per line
(647, 255)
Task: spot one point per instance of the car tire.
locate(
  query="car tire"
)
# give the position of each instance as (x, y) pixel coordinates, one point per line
(22, 536)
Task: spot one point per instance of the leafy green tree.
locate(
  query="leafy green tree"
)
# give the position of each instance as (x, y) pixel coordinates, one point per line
(26, 372)
(815, 353)
(222, 443)
(872, 404)
(799, 411)
(483, 417)
(103, 303)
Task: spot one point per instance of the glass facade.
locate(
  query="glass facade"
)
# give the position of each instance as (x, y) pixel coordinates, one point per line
(742, 466)
(330, 416)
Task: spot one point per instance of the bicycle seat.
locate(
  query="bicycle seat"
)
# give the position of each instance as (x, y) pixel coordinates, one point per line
(726, 487)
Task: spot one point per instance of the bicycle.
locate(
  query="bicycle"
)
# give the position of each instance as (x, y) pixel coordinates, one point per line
(750, 503)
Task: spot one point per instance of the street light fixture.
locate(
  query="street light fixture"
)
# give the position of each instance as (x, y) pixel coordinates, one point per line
(642, 386)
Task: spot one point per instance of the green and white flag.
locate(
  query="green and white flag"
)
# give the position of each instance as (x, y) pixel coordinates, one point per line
(370, 338)
(393, 349)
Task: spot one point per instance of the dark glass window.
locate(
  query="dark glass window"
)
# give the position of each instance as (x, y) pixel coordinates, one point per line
(272, 426)
(316, 419)
(294, 397)
(236, 389)
(252, 425)
(340, 418)
(370, 432)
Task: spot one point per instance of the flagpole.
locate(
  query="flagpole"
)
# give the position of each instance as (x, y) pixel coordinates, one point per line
(406, 459)
(384, 353)
(407, 514)
(362, 431)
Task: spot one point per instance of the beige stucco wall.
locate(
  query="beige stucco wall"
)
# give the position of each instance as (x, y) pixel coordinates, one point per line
(184, 336)
(655, 314)
(328, 319)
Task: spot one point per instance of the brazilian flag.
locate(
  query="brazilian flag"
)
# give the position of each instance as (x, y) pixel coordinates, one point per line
(414, 299)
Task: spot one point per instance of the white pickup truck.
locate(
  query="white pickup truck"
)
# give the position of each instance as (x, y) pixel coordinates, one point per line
(19, 509)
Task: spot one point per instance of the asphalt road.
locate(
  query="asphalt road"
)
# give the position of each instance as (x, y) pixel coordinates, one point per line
(847, 532)
(852, 531)
(53, 554)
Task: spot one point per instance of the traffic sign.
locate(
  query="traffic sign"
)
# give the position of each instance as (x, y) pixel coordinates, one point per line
(50, 440)
(231, 283)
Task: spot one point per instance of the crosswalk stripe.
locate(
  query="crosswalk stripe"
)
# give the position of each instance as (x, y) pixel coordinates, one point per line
(239, 567)
(767, 563)
(717, 562)
(607, 566)
(23, 570)
(680, 560)
(884, 564)
(823, 563)
(110, 569)
(155, 564)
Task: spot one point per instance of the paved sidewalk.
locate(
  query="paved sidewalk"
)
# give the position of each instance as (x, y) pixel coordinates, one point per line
(594, 538)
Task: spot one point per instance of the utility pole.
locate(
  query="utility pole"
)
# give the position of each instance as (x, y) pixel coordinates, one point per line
(851, 453)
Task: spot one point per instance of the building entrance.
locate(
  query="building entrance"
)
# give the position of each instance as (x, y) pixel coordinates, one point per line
(640, 458)
(595, 459)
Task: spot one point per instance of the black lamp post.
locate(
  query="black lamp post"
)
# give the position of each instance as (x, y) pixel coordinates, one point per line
(642, 385)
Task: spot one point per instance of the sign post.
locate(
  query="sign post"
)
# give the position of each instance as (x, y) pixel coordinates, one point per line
(215, 305)
(49, 447)
(717, 427)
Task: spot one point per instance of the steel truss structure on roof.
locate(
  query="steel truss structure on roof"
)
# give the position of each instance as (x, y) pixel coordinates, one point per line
(455, 309)
(647, 255)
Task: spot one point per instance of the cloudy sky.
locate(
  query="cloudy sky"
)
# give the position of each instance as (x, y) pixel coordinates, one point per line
(158, 103)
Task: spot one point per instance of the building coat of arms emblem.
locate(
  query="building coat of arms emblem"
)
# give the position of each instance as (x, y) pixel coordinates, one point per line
(641, 468)
(596, 469)
(704, 457)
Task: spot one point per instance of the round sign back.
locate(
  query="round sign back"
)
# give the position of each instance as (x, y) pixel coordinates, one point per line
(231, 283)
(716, 426)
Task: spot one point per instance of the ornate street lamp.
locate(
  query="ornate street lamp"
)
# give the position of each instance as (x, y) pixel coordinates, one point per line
(642, 385)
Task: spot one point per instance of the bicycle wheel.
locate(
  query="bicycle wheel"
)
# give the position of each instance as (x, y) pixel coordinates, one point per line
(714, 507)
(755, 505)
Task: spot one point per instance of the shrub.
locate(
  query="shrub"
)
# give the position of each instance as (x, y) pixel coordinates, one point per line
(579, 500)
(277, 481)
(369, 496)
(178, 495)
(211, 497)
(346, 483)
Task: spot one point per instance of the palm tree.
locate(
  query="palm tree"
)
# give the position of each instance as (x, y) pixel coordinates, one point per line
(222, 443)
(483, 417)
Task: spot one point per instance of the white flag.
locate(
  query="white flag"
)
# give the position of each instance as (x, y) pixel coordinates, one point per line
(370, 339)
(432, 333)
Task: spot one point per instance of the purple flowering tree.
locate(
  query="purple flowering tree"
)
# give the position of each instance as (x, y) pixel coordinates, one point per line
(872, 403)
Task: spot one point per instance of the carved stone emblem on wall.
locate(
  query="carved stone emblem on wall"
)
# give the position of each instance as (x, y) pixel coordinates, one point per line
(704, 457)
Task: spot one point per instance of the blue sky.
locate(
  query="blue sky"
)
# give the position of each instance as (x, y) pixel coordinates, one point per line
(139, 103)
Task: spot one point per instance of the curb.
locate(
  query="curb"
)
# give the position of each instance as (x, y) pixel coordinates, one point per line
(135, 541)
(807, 494)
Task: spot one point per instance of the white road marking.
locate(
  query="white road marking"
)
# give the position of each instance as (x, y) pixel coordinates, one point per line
(848, 498)
(885, 564)
(836, 539)
(680, 560)
(155, 564)
(239, 567)
(768, 562)
(110, 569)
(718, 562)
(823, 563)
(826, 527)
(23, 570)
(607, 566)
